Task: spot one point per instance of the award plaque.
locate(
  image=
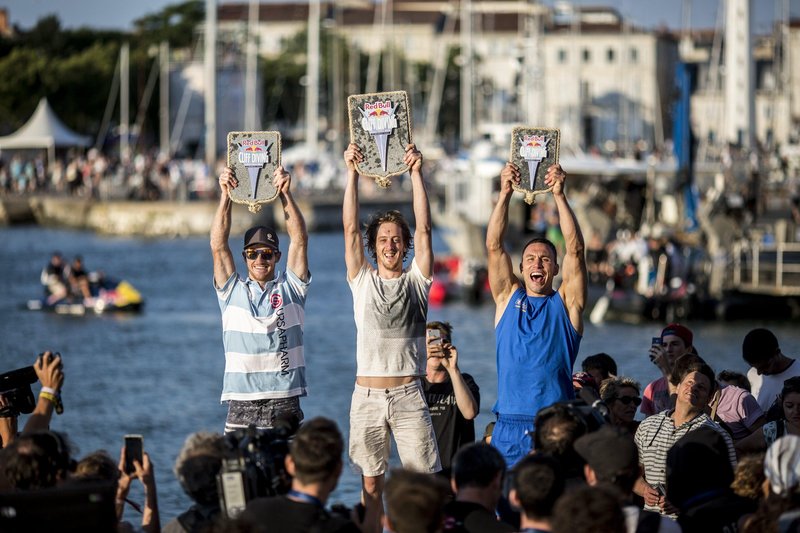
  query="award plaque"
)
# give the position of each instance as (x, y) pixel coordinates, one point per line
(533, 150)
(380, 124)
(254, 156)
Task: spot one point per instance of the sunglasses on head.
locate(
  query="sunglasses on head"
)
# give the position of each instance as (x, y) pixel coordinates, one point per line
(628, 399)
(251, 255)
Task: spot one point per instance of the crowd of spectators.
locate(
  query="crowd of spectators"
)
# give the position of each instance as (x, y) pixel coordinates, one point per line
(708, 461)
(144, 176)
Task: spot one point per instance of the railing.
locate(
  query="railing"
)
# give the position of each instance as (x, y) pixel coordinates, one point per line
(772, 269)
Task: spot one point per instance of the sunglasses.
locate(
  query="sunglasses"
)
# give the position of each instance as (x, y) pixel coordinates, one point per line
(626, 400)
(251, 255)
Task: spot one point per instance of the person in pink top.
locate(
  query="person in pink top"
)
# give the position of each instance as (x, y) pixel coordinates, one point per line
(676, 340)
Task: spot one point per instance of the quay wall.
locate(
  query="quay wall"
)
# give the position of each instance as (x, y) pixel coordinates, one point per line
(163, 219)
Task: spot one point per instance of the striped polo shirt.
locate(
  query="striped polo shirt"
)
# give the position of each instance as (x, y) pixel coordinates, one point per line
(262, 332)
(657, 434)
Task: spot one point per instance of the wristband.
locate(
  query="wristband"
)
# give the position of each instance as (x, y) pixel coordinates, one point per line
(55, 400)
(50, 390)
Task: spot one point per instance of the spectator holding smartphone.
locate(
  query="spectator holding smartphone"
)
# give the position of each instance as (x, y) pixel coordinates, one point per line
(674, 341)
(453, 397)
(143, 471)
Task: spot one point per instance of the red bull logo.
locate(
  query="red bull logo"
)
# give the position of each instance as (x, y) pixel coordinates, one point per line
(253, 152)
(535, 140)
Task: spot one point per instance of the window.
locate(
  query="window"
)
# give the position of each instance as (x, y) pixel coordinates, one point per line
(610, 55)
(634, 55)
(587, 55)
(562, 55)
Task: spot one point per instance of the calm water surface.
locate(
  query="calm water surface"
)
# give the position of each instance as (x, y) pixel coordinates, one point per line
(159, 373)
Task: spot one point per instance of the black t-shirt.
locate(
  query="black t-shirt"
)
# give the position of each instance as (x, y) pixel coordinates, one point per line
(280, 514)
(452, 429)
(466, 517)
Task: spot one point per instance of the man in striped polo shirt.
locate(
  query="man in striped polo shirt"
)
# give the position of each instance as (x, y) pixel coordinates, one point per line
(262, 315)
(656, 434)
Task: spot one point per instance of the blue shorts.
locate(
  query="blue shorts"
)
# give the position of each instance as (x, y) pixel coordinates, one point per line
(513, 437)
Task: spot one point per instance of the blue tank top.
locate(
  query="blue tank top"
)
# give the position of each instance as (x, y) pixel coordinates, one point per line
(536, 348)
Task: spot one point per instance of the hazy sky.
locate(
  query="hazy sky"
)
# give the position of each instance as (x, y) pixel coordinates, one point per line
(120, 14)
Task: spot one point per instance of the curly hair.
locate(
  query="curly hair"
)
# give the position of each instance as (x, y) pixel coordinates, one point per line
(371, 231)
(749, 477)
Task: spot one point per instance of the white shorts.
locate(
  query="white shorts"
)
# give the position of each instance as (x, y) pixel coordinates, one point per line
(374, 413)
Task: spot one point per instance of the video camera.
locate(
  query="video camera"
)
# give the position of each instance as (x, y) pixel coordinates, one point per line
(15, 386)
(253, 467)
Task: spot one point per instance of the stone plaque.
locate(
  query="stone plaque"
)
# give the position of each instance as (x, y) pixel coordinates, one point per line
(380, 124)
(533, 150)
(254, 156)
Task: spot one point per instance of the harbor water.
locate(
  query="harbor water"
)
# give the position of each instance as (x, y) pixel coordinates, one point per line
(159, 373)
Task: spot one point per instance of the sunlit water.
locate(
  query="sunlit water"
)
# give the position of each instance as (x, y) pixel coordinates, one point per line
(159, 373)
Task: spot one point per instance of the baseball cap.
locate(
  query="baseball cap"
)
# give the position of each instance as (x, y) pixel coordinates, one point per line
(684, 333)
(609, 451)
(261, 235)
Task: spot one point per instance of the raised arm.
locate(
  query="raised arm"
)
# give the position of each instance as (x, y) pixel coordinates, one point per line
(423, 247)
(297, 261)
(502, 280)
(50, 372)
(353, 241)
(464, 399)
(573, 269)
(224, 265)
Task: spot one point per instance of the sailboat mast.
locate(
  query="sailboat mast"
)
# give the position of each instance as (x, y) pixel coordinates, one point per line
(251, 113)
(312, 75)
(211, 84)
(124, 100)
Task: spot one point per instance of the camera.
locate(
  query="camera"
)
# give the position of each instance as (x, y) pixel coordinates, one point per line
(252, 467)
(15, 386)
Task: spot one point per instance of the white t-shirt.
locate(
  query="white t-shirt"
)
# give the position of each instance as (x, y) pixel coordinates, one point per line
(390, 317)
(766, 388)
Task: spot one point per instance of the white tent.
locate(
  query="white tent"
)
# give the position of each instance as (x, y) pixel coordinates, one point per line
(44, 130)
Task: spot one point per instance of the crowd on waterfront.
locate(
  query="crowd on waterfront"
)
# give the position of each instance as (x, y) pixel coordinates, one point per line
(565, 453)
(588, 460)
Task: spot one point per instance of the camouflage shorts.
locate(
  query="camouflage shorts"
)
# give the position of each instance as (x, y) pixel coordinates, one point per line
(263, 413)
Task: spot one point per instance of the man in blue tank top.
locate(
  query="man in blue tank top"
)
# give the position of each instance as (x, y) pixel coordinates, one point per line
(538, 329)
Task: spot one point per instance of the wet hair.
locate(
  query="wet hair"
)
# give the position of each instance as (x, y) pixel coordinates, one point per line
(198, 464)
(477, 465)
(539, 482)
(415, 501)
(609, 390)
(759, 345)
(37, 460)
(317, 450)
(445, 328)
(602, 362)
(371, 231)
(737, 379)
(539, 240)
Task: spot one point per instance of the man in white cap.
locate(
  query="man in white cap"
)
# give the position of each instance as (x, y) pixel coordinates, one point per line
(263, 315)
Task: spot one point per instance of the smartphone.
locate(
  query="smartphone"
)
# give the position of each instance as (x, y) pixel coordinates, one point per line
(661, 489)
(134, 451)
(434, 337)
(656, 341)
